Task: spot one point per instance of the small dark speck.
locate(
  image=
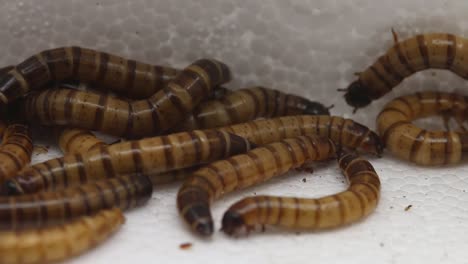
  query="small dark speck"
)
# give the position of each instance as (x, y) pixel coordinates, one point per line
(342, 181)
(464, 190)
(98, 4)
(404, 196)
(298, 233)
(185, 245)
(304, 179)
(408, 207)
(391, 207)
(382, 244)
(433, 73)
(136, 32)
(255, 193)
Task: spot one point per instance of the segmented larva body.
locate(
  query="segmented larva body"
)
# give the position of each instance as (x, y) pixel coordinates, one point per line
(418, 145)
(161, 154)
(54, 244)
(148, 156)
(346, 207)
(81, 141)
(52, 208)
(15, 150)
(119, 117)
(248, 104)
(131, 78)
(343, 132)
(72, 140)
(244, 170)
(437, 50)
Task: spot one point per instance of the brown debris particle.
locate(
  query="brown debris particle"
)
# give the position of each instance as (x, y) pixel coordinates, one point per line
(304, 179)
(408, 207)
(185, 246)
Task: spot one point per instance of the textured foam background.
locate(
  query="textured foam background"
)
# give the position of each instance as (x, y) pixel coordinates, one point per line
(305, 47)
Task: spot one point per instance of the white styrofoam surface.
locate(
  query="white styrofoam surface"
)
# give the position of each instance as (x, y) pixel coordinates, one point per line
(305, 47)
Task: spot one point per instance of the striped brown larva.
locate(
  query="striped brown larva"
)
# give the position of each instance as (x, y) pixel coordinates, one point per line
(52, 208)
(186, 149)
(15, 150)
(436, 50)
(244, 170)
(346, 207)
(81, 141)
(149, 156)
(58, 243)
(248, 104)
(121, 117)
(421, 146)
(128, 77)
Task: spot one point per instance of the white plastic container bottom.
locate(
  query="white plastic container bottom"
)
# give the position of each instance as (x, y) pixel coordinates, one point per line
(310, 48)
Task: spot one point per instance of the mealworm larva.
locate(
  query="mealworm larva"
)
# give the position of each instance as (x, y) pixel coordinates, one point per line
(346, 207)
(244, 170)
(73, 140)
(15, 150)
(248, 104)
(52, 208)
(421, 146)
(161, 154)
(436, 50)
(343, 132)
(148, 156)
(120, 117)
(131, 78)
(54, 244)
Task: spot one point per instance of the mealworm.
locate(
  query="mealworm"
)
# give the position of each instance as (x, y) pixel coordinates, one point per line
(59, 243)
(161, 154)
(346, 207)
(131, 78)
(148, 156)
(421, 146)
(119, 117)
(52, 208)
(248, 104)
(81, 141)
(78, 141)
(15, 150)
(244, 170)
(436, 50)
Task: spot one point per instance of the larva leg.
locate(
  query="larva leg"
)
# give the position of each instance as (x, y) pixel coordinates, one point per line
(59, 243)
(417, 145)
(15, 151)
(135, 119)
(435, 50)
(52, 208)
(247, 104)
(149, 156)
(131, 78)
(332, 211)
(244, 170)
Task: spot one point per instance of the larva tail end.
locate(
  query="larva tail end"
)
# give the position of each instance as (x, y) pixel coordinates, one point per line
(356, 95)
(204, 228)
(232, 223)
(11, 188)
(314, 108)
(373, 144)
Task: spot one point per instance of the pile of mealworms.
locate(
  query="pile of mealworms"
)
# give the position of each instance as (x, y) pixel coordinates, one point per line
(183, 125)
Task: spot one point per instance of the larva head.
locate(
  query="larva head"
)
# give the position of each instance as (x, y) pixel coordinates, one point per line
(194, 207)
(372, 144)
(11, 188)
(356, 95)
(314, 108)
(232, 222)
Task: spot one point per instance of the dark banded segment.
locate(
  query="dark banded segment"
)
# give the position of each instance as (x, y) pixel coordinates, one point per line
(82, 200)
(332, 211)
(248, 104)
(15, 150)
(424, 147)
(54, 244)
(404, 58)
(131, 119)
(150, 157)
(241, 171)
